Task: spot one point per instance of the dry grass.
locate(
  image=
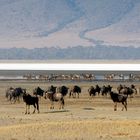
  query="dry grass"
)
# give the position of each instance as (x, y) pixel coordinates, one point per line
(82, 119)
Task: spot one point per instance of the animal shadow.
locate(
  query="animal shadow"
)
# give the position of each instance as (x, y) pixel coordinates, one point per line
(88, 108)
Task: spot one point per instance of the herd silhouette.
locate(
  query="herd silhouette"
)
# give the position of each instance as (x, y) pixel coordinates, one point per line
(57, 94)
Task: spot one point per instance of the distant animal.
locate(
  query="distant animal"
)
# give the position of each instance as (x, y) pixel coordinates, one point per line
(52, 89)
(130, 91)
(119, 88)
(106, 89)
(74, 90)
(119, 98)
(38, 91)
(97, 89)
(31, 100)
(92, 91)
(14, 94)
(55, 97)
(9, 93)
(63, 90)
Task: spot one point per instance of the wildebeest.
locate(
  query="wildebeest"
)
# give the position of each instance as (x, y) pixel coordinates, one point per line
(106, 89)
(55, 97)
(127, 90)
(9, 93)
(38, 91)
(55, 94)
(119, 98)
(30, 100)
(14, 94)
(92, 91)
(63, 90)
(97, 89)
(52, 89)
(119, 88)
(74, 90)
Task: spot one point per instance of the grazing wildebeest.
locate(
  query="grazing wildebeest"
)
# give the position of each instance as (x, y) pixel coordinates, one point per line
(74, 90)
(119, 98)
(92, 91)
(38, 91)
(15, 93)
(106, 89)
(30, 100)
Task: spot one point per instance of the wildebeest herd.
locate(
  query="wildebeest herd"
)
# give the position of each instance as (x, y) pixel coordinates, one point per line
(57, 94)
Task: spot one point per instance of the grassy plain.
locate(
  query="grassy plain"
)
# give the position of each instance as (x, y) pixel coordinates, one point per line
(82, 119)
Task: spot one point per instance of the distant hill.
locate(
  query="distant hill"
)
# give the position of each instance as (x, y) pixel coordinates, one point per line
(69, 23)
(79, 52)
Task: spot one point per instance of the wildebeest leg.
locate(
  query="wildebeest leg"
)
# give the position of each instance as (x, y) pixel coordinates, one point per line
(115, 106)
(125, 105)
(62, 103)
(26, 109)
(11, 99)
(18, 99)
(91, 95)
(78, 95)
(34, 108)
(37, 106)
(14, 100)
(69, 94)
(52, 105)
(73, 94)
(131, 96)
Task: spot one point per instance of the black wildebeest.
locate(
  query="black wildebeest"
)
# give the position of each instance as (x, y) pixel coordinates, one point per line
(63, 90)
(119, 98)
(106, 89)
(30, 100)
(98, 89)
(56, 95)
(38, 91)
(92, 91)
(52, 89)
(74, 90)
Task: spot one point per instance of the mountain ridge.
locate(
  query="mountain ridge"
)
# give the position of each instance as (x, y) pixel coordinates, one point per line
(68, 23)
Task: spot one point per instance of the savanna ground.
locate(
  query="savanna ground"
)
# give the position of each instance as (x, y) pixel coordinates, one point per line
(82, 119)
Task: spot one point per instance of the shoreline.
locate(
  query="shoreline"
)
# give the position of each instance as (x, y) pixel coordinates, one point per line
(73, 61)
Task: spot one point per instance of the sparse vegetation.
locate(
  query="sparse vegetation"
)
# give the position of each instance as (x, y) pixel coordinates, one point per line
(81, 119)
